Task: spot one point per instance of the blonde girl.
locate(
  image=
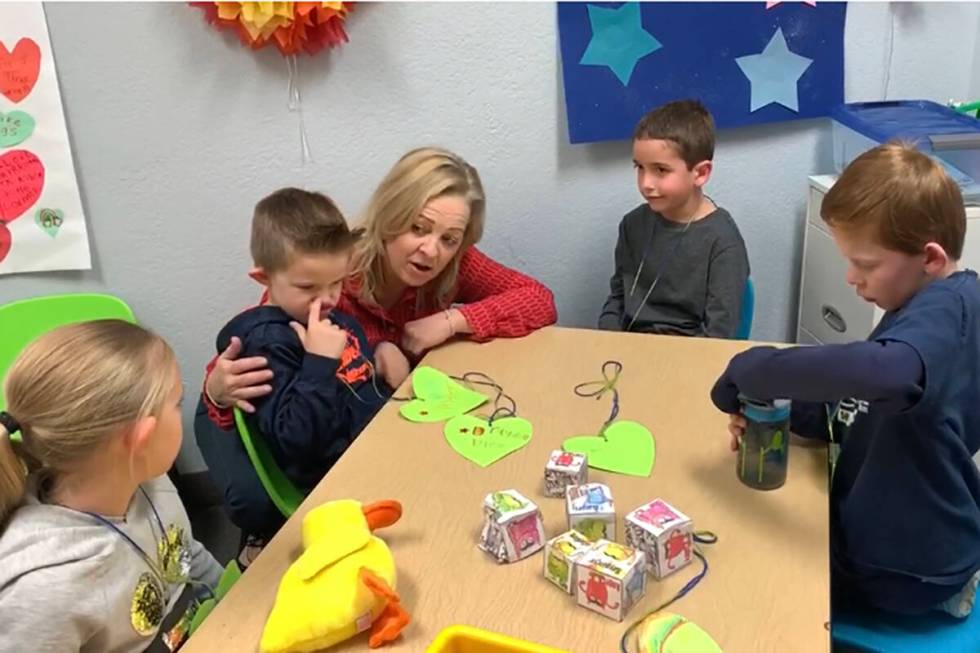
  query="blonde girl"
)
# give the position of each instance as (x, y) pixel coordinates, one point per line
(95, 546)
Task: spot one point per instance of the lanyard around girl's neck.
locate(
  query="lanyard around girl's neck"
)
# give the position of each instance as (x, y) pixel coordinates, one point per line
(154, 567)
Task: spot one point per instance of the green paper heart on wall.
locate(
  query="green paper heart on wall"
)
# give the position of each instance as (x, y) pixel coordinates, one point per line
(49, 220)
(15, 128)
(475, 439)
(626, 448)
(438, 397)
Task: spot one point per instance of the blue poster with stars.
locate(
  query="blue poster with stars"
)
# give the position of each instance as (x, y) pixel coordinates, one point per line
(748, 62)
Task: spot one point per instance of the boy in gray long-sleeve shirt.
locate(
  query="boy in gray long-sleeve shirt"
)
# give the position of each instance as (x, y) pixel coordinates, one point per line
(681, 264)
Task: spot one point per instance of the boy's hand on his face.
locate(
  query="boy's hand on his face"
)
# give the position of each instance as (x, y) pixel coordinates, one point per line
(736, 428)
(321, 337)
(391, 364)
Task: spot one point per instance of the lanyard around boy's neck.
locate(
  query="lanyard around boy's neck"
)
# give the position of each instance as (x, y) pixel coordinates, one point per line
(660, 268)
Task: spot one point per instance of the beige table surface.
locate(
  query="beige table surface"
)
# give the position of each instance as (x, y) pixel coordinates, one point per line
(767, 588)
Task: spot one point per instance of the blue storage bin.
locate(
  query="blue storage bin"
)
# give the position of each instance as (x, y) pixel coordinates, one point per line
(951, 138)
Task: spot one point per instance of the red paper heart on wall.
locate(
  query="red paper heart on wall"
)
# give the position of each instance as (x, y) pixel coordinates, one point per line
(19, 69)
(21, 182)
(4, 241)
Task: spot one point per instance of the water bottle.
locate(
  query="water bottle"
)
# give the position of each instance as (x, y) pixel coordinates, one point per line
(763, 452)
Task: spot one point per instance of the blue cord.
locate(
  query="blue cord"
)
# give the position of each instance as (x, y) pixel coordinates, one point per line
(700, 537)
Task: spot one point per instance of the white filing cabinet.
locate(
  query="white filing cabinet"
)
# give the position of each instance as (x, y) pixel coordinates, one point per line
(830, 310)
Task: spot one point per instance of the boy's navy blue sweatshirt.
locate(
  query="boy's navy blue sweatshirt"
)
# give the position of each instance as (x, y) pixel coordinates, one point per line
(905, 497)
(318, 405)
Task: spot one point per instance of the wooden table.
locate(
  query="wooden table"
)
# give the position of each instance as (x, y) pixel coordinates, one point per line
(767, 588)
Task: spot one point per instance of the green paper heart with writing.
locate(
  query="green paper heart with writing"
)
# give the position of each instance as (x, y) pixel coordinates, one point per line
(438, 397)
(627, 448)
(475, 439)
(49, 220)
(15, 128)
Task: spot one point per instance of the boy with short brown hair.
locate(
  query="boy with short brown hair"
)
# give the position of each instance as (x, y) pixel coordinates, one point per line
(681, 264)
(904, 406)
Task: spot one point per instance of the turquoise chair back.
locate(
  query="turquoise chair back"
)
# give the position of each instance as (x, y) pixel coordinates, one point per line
(748, 311)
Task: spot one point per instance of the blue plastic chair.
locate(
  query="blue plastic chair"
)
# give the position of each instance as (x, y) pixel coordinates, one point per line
(879, 632)
(748, 311)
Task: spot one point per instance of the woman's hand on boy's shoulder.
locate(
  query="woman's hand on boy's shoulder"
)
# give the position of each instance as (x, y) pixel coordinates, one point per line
(233, 380)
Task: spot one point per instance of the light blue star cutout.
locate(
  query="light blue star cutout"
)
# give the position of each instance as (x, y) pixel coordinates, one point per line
(618, 40)
(773, 73)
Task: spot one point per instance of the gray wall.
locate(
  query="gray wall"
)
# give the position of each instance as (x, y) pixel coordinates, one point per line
(177, 131)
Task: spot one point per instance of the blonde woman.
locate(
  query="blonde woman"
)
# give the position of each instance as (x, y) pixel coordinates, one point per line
(418, 280)
(95, 548)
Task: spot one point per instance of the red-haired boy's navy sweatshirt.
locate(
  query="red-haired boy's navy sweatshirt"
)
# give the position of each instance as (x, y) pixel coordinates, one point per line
(905, 497)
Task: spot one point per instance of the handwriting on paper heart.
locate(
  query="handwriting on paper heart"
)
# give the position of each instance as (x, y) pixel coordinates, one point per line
(21, 181)
(49, 220)
(477, 440)
(438, 397)
(15, 128)
(19, 69)
(625, 448)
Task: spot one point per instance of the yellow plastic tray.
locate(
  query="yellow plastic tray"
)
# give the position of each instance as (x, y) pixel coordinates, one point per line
(466, 639)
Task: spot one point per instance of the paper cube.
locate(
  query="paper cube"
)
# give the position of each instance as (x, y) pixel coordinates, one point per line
(564, 469)
(560, 555)
(664, 534)
(512, 528)
(590, 511)
(610, 579)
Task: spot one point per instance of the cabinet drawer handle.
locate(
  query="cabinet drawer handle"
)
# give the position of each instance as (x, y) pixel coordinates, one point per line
(833, 318)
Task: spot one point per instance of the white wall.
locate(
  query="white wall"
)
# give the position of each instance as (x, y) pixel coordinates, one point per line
(177, 131)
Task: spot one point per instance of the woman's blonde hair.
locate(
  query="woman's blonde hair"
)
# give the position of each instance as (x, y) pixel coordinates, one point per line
(420, 176)
(74, 387)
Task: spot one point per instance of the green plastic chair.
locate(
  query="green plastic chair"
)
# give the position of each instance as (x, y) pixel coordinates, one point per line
(229, 577)
(284, 495)
(24, 320)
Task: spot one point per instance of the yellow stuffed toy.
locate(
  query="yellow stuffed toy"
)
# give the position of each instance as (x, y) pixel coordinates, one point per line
(342, 585)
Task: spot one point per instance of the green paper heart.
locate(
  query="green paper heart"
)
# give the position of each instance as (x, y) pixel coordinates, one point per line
(475, 439)
(437, 397)
(15, 128)
(49, 220)
(671, 633)
(627, 448)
